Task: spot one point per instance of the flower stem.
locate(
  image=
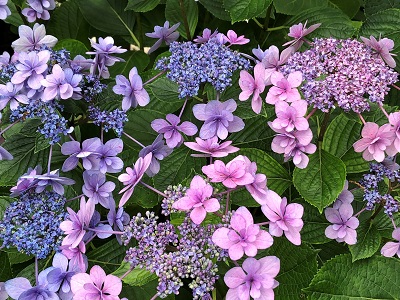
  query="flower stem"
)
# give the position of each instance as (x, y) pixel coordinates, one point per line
(153, 189)
(126, 273)
(154, 297)
(183, 108)
(154, 78)
(133, 139)
(357, 214)
(396, 87)
(104, 231)
(36, 270)
(324, 126)
(393, 223)
(227, 203)
(49, 162)
(72, 199)
(70, 136)
(361, 118)
(311, 113)
(384, 111)
(8, 127)
(262, 223)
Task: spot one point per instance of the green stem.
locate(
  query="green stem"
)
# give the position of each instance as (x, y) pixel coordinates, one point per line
(258, 23)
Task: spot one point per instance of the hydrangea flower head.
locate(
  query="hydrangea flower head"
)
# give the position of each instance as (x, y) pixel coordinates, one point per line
(163, 34)
(243, 236)
(219, 118)
(344, 224)
(253, 86)
(284, 88)
(382, 49)
(284, 218)
(392, 248)
(198, 199)
(211, 147)
(33, 39)
(256, 279)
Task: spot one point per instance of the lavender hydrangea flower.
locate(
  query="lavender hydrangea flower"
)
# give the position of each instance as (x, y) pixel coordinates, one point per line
(21, 289)
(218, 117)
(3, 292)
(73, 148)
(392, 248)
(56, 85)
(5, 155)
(132, 89)
(284, 88)
(33, 39)
(118, 219)
(97, 188)
(52, 179)
(290, 117)
(74, 81)
(273, 62)
(253, 86)
(233, 39)
(11, 93)
(159, 151)
(298, 32)
(345, 197)
(59, 277)
(382, 49)
(23, 184)
(76, 255)
(211, 147)
(344, 224)
(166, 34)
(38, 9)
(206, 36)
(4, 10)
(31, 67)
(170, 129)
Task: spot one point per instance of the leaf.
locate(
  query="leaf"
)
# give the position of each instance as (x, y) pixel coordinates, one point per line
(216, 7)
(176, 167)
(242, 10)
(368, 241)
(165, 90)
(255, 130)
(5, 270)
(75, 47)
(108, 16)
(108, 256)
(4, 203)
(142, 5)
(137, 59)
(350, 8)
(322, 180)
(15, 18)
(293, 7)
(374, 6)
(339, 138)
(22, 148)
(334, 23)
(67, 22)
(374, 278)
(137, 277)
(298, 267)
(177, 10)
(16, 257)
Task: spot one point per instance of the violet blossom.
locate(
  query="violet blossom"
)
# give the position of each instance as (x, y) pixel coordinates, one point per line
(218, 117)
(394, 120)
(256, 278)
(4, 10)
(3, 293)
(344, 224)
(258, 188)
(105, 158)
(284, 88)
(23, 184)
(253, 86)
(290, 117)
(284, 218)
(20, 288)
(159, 151)
(38, 9)
(206, 36)
(211, 147)
(298, 32)
(392, 248)
(132, 90)
(59, 277)
(233, 38)
(118, 219)
(5, 155)
(132, 177)
(76, 255)
(56, 85)
(198, 200)
(97, 188)
(73, 148)
(345, 197)
(259, 53)
(10, 93)
(33, 38)
(375, 140)
(74, 81)
(243, 236)
(171, 130)
(272, 61)
(52, 179)
(382, 49)
(165, 33)
(231, 175)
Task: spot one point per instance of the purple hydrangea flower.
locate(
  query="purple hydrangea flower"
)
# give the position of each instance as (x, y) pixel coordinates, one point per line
(59, 277)
(382, 49)
(345, 197)
(218, 117)
(170, 129)
(21, 289)
(298, 32)
(31, 67)
(290, 117)
(272, 61)
(3, 292)
(344, 224)
(5, 155)
(76, 255)
(24, 184)
(166, 34)
(106, 160)
(73, 148)
(392, 248)
(33, 39)
(4, 10)
(74, 81)
(259, 53)
(118, 219)
(56, 85)
(11, 93)
(233, 39)
(284, 88)
(52, 179)
(132, 90)
(159, 151)
(211, 147)
(38, 9)
(204, 38)
(97, 188)
(253, 86)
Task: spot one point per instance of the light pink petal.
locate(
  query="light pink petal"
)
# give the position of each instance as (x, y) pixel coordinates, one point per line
(390, 249)
(221, 239)
(198, 215)
(234, 277)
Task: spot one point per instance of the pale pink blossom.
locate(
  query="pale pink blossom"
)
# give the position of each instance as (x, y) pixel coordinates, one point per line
(344, 224)
(233, 39)
(284, 218)
(345, 197)
(284, 89)
(392, 248)
(394, 120)
(382, 49)
(211, 147)
(252, 86)
(258, 188)
(290, 117)
(298, 32)
(272, 61)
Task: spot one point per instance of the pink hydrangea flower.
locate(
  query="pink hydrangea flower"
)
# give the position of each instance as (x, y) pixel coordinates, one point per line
(132, 177)
(76, 255)
(231, 175)
(284, 218)
(255, 279)
(198, 199)
(243, 236)
(253, 86)
(211, 147)
(206, 36)
(272, 61)
(394, 120)
(96, 286)
(290, 117)
(345, 197)
(392, 248)
(298, 32)
(233, 39)
(344, 224)
(382, 49)
(258, 188)
(375, 140)
(284, 89)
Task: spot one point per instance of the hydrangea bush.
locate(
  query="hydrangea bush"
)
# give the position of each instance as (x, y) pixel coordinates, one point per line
(200, 150)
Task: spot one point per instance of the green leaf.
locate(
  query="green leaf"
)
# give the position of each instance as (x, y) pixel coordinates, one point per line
(339, 138)
(4, 203)
(16, 257)
(5, 270)
(137, 59)
(368, 241)
(108, 256)
(339, 279)
(256, 131)
(216, 7)
(334, 22)
(350, 8)
(15, 18)
(165, 90)
(373, 6)
(137, 277)
(177, 10)
(75, 47)
(298, 267)
(67, 22)
(322, 181)
(176, 167)
(241, 10)
(142, 5)
(108, 16)
(23, 150)
(293, 7)
(313, 231)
